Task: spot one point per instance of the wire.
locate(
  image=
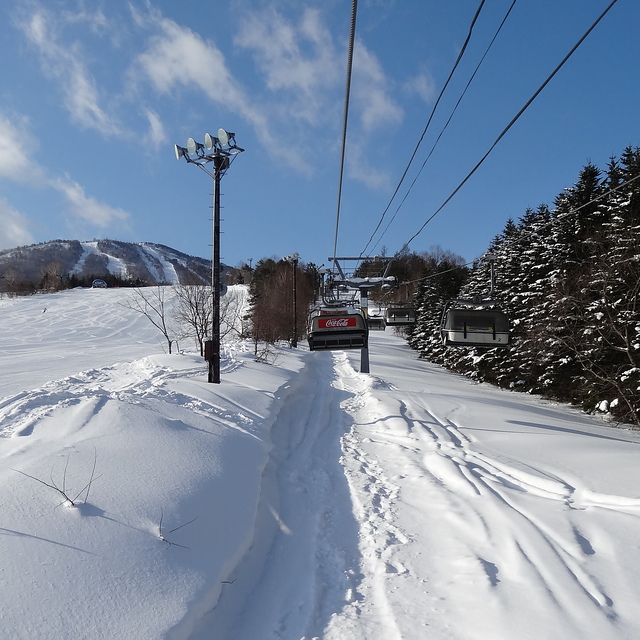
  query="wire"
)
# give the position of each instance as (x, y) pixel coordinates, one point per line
(537, 229)
(513, 121)
(352, 33)
(435, 106)
(473, 75)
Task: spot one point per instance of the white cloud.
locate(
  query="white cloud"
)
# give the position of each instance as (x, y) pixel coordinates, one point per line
(302, 72)
(14, 227)
(64, 62)
(422, 85)
(15, 143)
(360, 165)
(157, 134)
(176, 56)
(16, 165)
(85, 207)
(297, 58)
(377, 107)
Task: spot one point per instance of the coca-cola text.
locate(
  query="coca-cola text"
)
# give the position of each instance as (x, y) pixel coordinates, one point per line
(336, 323)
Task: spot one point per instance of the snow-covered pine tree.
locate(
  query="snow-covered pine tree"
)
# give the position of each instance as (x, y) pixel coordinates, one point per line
(441, 281)
(609, 339)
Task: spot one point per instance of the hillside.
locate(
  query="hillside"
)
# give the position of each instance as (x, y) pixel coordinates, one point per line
(47, 264)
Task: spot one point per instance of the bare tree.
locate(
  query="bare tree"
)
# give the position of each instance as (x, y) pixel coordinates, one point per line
(9, 280)
(194, 311)
(52, 274)
(232, 321)
(152, 305)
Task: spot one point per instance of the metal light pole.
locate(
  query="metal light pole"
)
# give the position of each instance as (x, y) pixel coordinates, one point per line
(220, 151)
(293, 261)
(214, 361)
(364, 352)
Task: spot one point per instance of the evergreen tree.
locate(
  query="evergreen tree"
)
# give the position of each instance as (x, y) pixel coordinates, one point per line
(441, 282)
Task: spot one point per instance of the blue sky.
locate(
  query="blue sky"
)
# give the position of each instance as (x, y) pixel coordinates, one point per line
(95, 94)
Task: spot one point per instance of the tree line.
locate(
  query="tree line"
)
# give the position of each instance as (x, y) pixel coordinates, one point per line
(568, 276)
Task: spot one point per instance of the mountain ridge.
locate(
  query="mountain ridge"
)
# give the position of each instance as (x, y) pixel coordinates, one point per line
(141, 263)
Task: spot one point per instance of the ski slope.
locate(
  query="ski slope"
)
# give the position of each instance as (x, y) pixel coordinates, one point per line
(296, 500)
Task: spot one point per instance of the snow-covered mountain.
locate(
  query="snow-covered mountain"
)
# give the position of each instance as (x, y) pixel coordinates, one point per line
(145, 262)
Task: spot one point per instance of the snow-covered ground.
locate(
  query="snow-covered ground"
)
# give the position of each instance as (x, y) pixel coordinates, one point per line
(297, 499)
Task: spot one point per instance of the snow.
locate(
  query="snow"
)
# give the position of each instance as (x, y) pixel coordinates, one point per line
(168, 271)
(295, 500)
(114, 265)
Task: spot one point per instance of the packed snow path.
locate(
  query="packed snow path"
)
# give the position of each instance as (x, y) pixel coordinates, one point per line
(306, 546)
(408, 504)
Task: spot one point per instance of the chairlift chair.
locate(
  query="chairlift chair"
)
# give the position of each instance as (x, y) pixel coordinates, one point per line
(376, 323)
(337, 328)
(479, 327)
(400, 316)
(476, 322)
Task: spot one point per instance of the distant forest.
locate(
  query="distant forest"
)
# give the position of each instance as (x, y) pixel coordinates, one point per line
(568, 276)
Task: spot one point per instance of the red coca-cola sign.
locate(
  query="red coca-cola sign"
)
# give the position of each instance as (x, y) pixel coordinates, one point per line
(337, 323)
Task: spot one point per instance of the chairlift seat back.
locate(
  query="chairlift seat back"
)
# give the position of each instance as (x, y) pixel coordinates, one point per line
(475, 328)
(337, 329)
(400, 316)
(376, 323)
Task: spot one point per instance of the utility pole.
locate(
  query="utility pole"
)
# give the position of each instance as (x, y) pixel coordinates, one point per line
(218, 150)
(214, 361)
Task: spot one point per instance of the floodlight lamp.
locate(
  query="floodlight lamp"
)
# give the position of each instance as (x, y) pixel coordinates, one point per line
(180, 152)
(193, 147)
(294, 257)
(210, 142)
(225, 137)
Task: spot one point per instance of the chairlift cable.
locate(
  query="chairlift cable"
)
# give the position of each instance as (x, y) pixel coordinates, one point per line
(513, 121)
(352, 32)
(446, 125)
(424, 132)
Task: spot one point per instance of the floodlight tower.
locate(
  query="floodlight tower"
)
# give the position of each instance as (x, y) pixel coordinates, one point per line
(220, 151)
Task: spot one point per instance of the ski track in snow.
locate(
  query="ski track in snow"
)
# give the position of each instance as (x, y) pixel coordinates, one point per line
(361, 476)
(126, 382)
(303, 564)
(443, 475)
